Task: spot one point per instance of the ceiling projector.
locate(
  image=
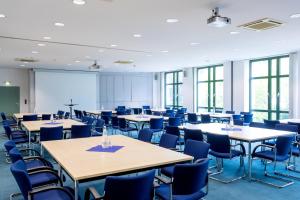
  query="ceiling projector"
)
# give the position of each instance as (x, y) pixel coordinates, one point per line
(216, 20)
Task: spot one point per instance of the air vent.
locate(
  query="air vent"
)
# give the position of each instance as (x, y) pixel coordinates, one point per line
(124, 62)
(29, 60)
(262, 24)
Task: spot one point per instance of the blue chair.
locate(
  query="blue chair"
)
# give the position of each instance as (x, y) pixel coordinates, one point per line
(145, 135)
(32, 162)
(156, 124)
(137, 111)
(182, 111)
(67, 115)
(222, 149)
(181, 116)
(121, 108)
(270, 124)
(296, 124)
(139, 187)
(238, 122)
(188, 183)
(51, 133)
(9, 121)
(257, 125)
(174, 121)
(205, 118)
(168, 141)
(248, 118)
(106, 116)
(84, 113)
(148, 112)
(19, 137)
(236, 117)
(146, 107)
(80, 131)
(169, 113)
(46, 116)
(192, 118)
(30, 118)
(114, 123)
(230, 112)
(121, 112)
(190, 134)
(32, 183)
(60, 114)
(173, 130)
(125, 127)
(244, 113)
(98, 129)
(280, 152)
(156, 113)
(196, 149)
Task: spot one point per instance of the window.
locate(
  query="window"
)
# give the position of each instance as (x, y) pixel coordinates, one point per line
(173, 89)
(210, 88)
(269, 88)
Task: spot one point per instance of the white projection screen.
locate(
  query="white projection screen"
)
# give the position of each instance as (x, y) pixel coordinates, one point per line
(53, 89)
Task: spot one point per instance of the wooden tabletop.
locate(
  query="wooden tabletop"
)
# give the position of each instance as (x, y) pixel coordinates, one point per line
(158, 110)
(98, 112)
(246, 134)
(19, 116)
(34, 126)
(141, 118)
(215, 115)
(136, 155)
(285, 121)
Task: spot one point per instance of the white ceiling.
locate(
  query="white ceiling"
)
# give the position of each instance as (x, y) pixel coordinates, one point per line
(101, 23)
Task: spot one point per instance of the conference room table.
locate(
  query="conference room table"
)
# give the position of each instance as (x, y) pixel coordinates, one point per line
(217, 116)
(98, 112)
(285, 121)
(19, 116)
(245, 134)
(141, 119)
(84, 160)
(35, 126)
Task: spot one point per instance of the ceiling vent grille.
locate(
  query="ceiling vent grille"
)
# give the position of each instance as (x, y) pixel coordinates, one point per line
(28, 60)
(262, 24)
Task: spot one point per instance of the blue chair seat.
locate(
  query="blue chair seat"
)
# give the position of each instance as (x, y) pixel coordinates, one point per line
(55, 194)
(270, 142)
(270, 155)
(34, 164)
(168, 171)
(42, 179)
(20, 140)
(18, 134)
(234, 153)
(296, 151)
(164, 190)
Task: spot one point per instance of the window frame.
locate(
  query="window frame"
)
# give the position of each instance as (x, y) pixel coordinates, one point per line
(175, 85)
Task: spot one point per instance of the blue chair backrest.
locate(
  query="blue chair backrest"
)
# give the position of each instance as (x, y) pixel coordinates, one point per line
(148, 112)
(121, 112)
(248, 118)
(197, 149)
(238, 122)
(192, 117)
(174, 121)
(173, 130)
(137, 111)
(30, 117)
(156, 113)
(189, 178)
(168, 141)
(138, 187)
(156, 123)
(296, 124)
(230, 112)
(7, 130)
(193, 135)
(3, 116)
(219, 143)
(205, 118)
(271, 123)
(15, 155)
(284, 144)
(8, 145)
(106, 113)
(236, 117)
(121, 108)
(51, 133)
(90, 121)
(67, 115)
(80, 131)
(218, 110)
(257, 125)
(244, 113)
(99, 125)
(46, 116)
(19, 171)
(182, 110)
(145, 135)
(286, 127)
(114, 121)
(106, 119)
(60, 114)
(122, 123)
(146, 107)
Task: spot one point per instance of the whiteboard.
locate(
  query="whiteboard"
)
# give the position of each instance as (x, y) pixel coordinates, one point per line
(53, 89)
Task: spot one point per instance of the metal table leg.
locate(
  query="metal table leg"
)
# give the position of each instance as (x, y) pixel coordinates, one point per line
(76, 190)
(249, 162)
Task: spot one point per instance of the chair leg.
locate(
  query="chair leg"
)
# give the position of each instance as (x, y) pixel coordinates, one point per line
(12, 196)
(292, 168)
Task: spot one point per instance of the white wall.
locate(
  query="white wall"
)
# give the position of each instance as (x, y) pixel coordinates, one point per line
(53, 89)
(294, 89)
(20, 78)
(187, 89)
(129, 89)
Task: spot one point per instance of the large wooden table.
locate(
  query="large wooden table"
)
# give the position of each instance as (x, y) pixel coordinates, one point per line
(83, 166)
(35, 126)
(140, 119)
(246, 134)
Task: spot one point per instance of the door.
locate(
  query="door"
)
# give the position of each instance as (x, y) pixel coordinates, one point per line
(9, 99)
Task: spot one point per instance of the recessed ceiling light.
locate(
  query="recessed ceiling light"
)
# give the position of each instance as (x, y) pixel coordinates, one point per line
(137, 35)
(294, 16)
(234, 32)
(34, 52)
(7, 83)
(79, 2)
(78, 61)
(47, 38)
(25, 62)
(59, 24)
(164, 51)
(41, 44)
(194, 43)
(2, 16)
(22, 65)
(113, 45)
(172, 20)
